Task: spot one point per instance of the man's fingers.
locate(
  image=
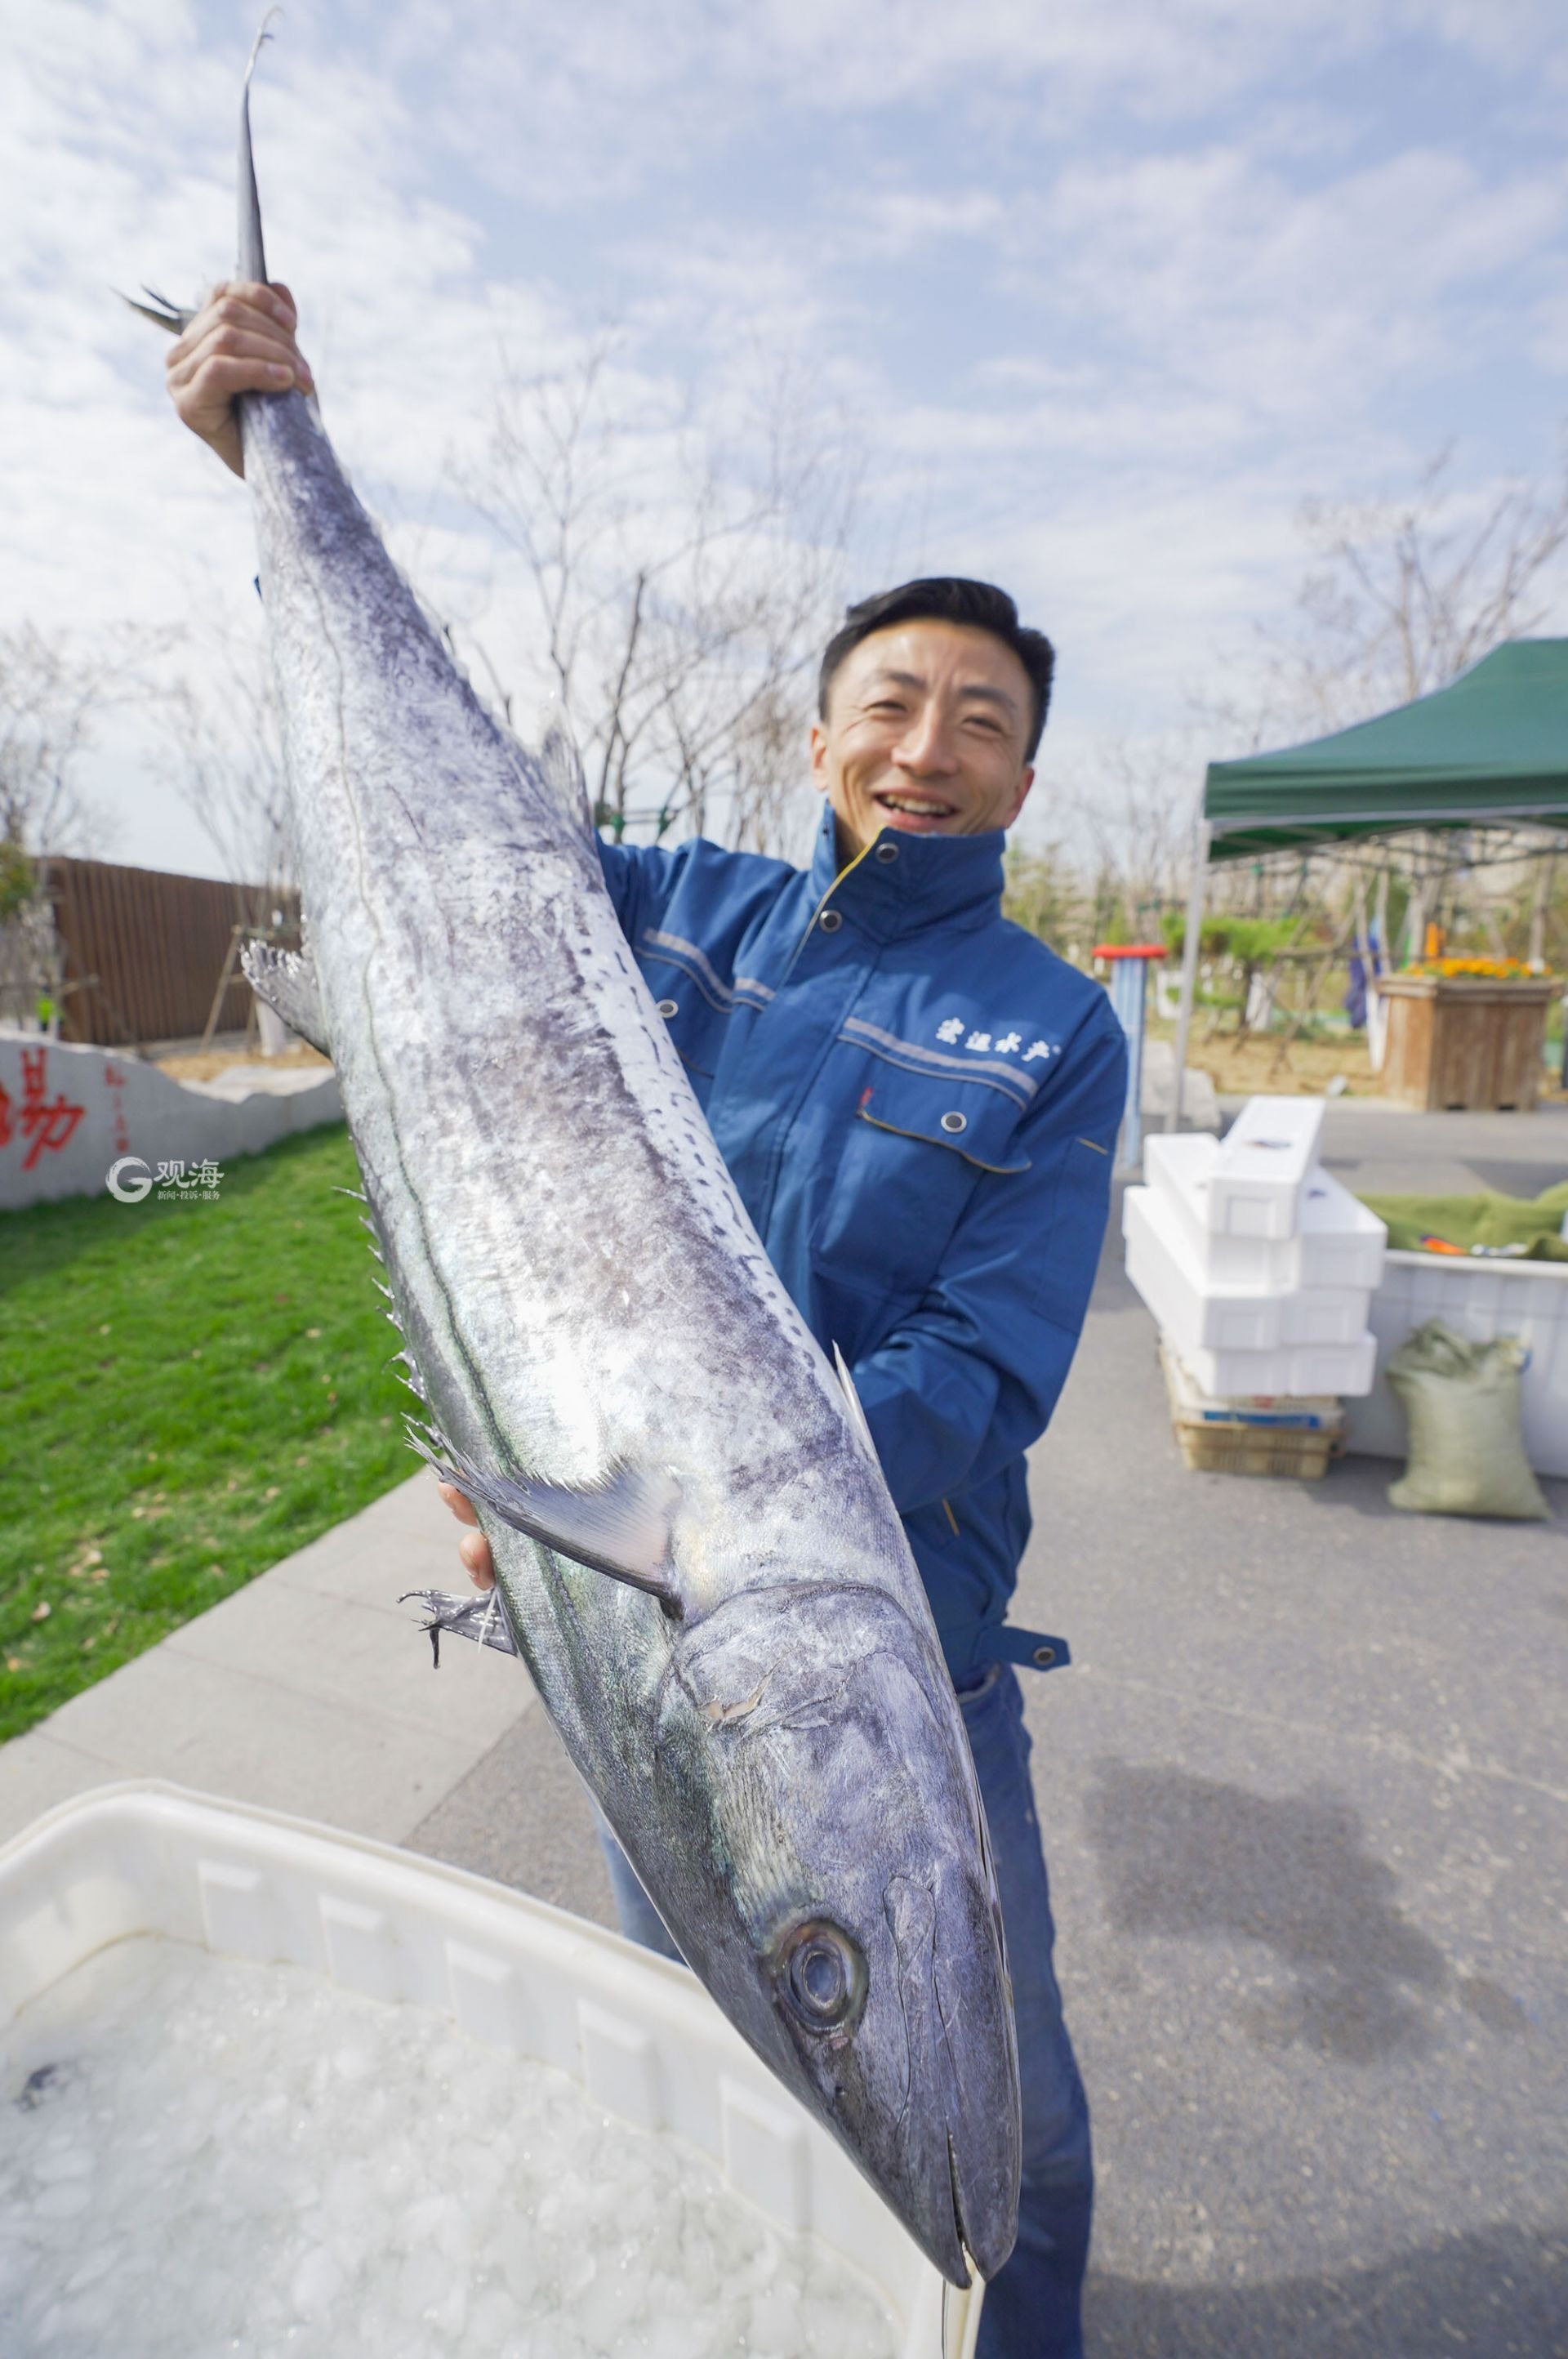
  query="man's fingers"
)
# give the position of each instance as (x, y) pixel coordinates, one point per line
(473, 1547)
(461, 1507)
(477, 1560)
(224, 341)
(223, 374)
(274, 300)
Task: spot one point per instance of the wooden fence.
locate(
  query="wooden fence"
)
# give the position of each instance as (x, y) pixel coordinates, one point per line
(143, 952)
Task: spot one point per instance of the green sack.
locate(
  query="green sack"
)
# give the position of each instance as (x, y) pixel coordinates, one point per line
(1466, 1454)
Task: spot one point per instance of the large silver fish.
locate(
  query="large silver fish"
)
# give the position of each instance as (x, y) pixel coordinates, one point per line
(693, 1540)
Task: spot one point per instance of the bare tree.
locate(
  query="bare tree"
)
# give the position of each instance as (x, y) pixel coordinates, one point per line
(684, 579)
(226, 730)
(52, 699)
(1128, 834)
(53, 696)
(1402, 593)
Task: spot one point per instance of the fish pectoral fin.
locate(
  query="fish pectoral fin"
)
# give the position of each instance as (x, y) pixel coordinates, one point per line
(620, 1527)
(483, 1619)
(857, 1414)
(286, 980)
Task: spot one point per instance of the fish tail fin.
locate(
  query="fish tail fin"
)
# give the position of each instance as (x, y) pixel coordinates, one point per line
(174, 317)
(253, 252)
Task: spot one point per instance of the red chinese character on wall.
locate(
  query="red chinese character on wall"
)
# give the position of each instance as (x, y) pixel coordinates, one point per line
(114, 1083)
(47, 1124)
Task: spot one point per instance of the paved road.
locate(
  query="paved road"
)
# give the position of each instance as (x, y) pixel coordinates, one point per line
(1305, 1797)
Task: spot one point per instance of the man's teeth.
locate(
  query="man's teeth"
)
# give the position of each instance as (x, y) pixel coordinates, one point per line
(916, 808)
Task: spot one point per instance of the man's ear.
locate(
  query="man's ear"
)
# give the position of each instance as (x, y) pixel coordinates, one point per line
(1026, 780)
(819, 757)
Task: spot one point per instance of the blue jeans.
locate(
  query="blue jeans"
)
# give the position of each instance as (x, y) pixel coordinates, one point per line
(1032, 2307)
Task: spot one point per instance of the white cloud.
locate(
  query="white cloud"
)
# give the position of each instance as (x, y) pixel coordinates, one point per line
(1104, 291)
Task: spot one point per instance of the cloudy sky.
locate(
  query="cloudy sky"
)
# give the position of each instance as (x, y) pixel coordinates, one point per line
(1104, 287)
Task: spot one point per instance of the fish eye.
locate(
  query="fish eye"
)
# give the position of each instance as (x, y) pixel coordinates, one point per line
(824, 1976)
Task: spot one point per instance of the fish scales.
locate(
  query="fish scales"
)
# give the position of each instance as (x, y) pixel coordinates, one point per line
(611, 1366)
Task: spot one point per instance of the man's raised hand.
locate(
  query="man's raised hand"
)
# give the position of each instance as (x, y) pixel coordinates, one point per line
(242, 341)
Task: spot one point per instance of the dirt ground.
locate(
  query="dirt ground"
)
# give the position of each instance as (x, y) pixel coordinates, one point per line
(1262, 1062)
(1257, 1062)
(198, 1066)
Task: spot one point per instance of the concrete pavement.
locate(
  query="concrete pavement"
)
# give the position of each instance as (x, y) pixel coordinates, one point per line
(312, 1690)
(1305, 1799)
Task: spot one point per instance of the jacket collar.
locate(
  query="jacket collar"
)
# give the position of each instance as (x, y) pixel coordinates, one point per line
(929, 880)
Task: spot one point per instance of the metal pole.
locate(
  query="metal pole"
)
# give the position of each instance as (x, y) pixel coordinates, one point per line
(1196, 896)
(1129, 997)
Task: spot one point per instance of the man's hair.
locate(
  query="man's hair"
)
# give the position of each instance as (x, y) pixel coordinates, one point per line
(978, 606)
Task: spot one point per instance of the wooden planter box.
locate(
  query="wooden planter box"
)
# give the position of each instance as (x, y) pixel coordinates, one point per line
(1465, 1042)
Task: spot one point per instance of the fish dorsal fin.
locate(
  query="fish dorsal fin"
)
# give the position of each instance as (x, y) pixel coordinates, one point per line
(620, 1527)
(286, 980)
(560, 766)
(857, 1414)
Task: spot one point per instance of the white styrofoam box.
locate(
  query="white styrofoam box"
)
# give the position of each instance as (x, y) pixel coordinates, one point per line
(1195, 1315)
(1255, 1188)
(640, 2034)
(1341, 1242)
(1287, 1372)
(1338, 1242)
(1479, 1299)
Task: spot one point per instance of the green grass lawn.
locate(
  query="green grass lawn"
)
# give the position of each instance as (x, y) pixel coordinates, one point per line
(188, 1392)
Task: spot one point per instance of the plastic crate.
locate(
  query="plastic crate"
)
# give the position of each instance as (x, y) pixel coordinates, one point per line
(1295, 1439)
(1481, 1299)
(640, 2035)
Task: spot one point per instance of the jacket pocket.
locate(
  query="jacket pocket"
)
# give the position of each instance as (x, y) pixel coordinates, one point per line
(694, 1000)
(918, 1146)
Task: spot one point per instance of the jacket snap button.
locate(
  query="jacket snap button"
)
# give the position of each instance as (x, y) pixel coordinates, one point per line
(955, 1123)
(830, 921)
(1045, 1657)
(668, 1007)
(887, 852)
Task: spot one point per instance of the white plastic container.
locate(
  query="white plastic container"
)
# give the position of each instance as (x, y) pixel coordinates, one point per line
(1196, 1314)
(641, 2036)
(1479, 1299)
(1337, 1242)
(1259, 1173)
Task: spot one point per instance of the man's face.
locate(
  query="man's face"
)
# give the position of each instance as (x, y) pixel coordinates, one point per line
(926, 731)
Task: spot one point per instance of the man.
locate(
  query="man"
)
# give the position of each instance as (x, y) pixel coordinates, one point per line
(918, 1102)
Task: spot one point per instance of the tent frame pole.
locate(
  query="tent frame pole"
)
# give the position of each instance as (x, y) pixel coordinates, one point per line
(1197, 892)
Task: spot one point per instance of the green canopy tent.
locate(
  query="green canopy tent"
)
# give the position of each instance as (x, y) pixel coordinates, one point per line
(1491, 748)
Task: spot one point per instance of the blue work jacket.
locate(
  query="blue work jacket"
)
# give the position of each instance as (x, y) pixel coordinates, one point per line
(919, 1104)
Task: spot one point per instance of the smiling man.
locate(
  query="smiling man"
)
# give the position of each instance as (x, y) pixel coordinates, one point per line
(918, 1102)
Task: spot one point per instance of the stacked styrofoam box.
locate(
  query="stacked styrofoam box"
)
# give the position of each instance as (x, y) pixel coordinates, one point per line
(1258, 1265)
